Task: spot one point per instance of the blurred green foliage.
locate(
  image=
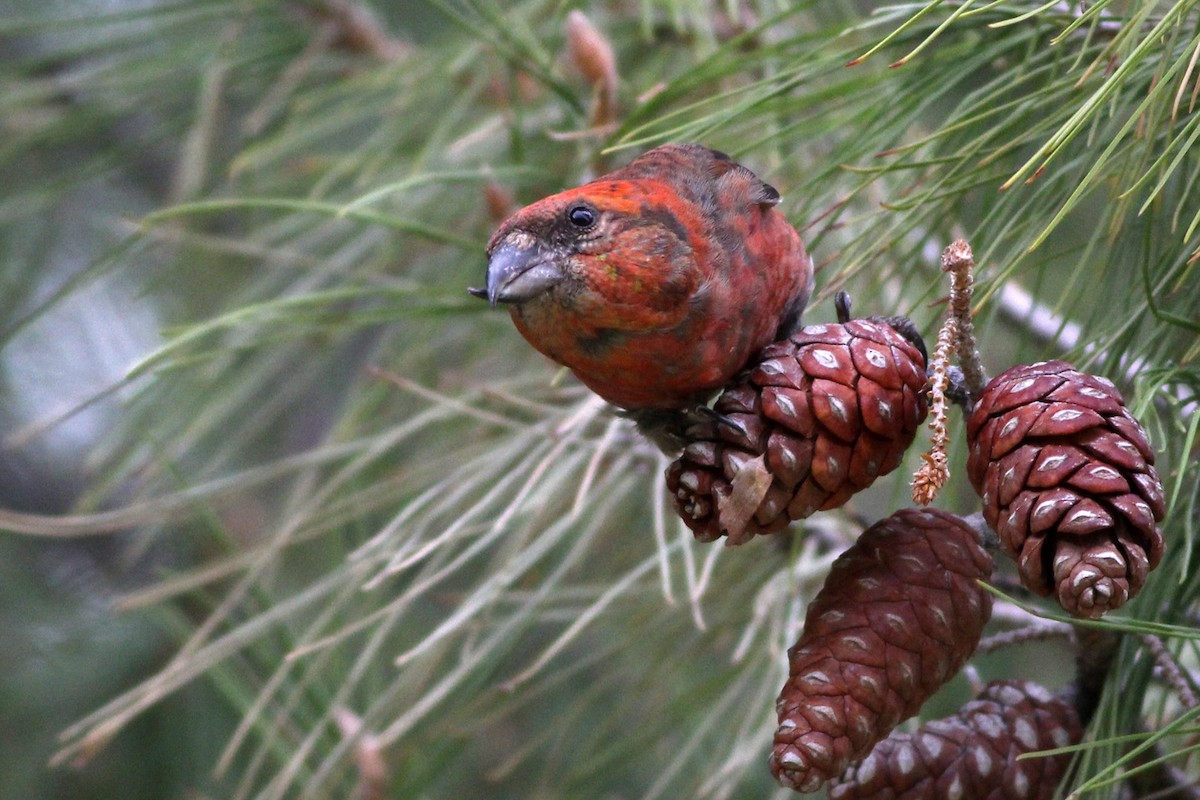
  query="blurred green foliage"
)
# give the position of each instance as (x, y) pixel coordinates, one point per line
(280, 472)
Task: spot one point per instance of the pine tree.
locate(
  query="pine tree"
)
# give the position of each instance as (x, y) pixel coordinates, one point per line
(413, 558)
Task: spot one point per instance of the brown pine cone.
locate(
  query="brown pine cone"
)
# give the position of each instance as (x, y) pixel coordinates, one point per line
(899, 614)
(819, 417)
(973, 754)
(1068, 482)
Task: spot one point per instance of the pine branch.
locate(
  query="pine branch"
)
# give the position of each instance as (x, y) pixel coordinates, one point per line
(350, 464)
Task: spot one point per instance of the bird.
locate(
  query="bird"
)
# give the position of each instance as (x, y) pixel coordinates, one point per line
(657, 282)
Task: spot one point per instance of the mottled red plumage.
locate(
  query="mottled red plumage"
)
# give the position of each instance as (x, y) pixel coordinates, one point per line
(657, 282)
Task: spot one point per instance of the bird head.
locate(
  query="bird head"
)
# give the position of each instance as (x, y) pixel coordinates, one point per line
(614, 248)
(530, 253)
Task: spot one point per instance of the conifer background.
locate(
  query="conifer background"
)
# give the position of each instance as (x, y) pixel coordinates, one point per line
(268, 473)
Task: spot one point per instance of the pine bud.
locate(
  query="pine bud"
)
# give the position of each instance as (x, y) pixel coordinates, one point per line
(591, 53)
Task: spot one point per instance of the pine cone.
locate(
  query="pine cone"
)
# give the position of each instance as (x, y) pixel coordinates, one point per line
(898, 615)
(973, 754)
(1068, 482)
(819, 417)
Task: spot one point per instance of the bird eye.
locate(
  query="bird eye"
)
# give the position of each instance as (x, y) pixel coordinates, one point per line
(581, 216)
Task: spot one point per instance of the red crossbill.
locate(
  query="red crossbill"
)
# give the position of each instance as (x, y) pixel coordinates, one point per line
(656, 283)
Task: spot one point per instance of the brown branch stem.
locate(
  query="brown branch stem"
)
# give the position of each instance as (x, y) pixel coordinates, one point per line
(958, 260)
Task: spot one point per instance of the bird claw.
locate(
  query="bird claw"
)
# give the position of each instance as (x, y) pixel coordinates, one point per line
(842, 303)
(701, 422)
(672, 429)
(908, 329)
(698, 415)
(902, 325)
